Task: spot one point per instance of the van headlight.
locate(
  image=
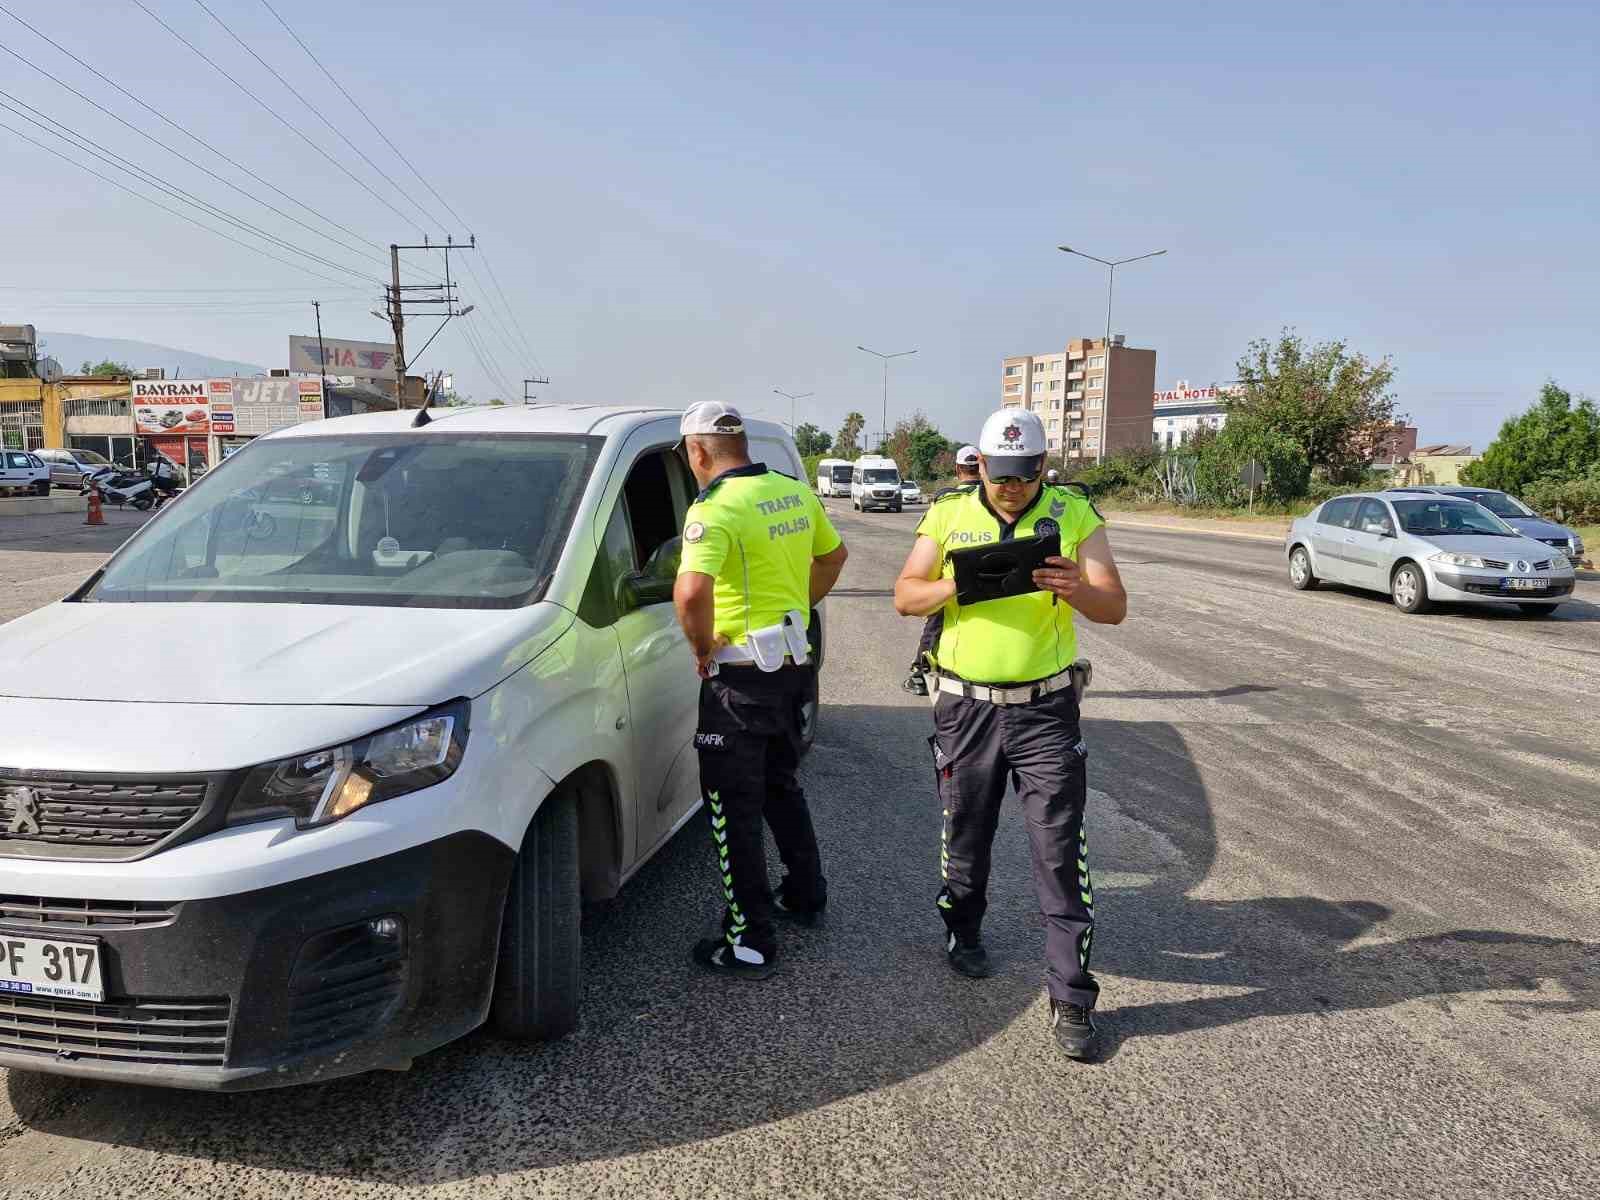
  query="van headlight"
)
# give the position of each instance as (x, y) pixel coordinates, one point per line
(325, 785)
(1457, 560)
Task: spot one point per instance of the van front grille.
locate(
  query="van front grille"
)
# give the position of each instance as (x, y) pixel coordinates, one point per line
(181, 1032)
(92, 914)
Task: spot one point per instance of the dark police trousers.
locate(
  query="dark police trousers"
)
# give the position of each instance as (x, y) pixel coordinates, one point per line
(977, 748)
(749, 746)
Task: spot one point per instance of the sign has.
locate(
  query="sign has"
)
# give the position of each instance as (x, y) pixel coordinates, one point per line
(369, 360)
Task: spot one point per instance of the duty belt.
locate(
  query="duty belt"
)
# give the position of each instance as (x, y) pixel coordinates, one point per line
(770, 648)
(1025, 693)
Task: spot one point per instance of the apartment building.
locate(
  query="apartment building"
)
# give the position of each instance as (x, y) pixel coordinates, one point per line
(1088, 411)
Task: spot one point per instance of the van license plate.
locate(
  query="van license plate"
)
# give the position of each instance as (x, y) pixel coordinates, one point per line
(38, 966)
(1523, 585)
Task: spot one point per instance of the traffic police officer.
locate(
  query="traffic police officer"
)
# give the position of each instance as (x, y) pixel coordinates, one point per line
(1005, 705)
(966, 478)
(758, 553)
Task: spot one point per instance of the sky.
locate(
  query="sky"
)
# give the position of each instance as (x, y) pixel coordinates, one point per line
(711, 201)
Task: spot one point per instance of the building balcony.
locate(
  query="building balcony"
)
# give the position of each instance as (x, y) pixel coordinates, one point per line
(1075, 394)
(1074, 374)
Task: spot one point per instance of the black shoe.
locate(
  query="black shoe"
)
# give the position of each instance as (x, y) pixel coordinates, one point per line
(967, 958)
(916, 683)
(1075, 1032)
(715, 954)
(799, 914)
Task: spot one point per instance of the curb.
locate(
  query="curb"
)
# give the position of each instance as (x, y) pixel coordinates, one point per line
(1233, 533)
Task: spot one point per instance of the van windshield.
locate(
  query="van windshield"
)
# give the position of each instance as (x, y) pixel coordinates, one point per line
(841, 474)
(880, 475)
(433, 521)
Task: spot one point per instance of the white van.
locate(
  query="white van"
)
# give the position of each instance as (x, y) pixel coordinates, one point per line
(388, 698)
(833, 477)
(875, 483)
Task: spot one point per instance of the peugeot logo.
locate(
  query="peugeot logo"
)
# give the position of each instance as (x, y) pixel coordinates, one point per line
(1522, 566)
(24, 810)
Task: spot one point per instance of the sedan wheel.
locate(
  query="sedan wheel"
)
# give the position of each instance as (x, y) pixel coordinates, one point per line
(1300, 572)
(1409, 589)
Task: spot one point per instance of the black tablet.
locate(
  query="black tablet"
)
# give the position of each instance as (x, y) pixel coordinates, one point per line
(1003, 568)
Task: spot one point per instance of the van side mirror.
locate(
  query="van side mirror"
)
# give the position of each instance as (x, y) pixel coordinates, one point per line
(653, 583)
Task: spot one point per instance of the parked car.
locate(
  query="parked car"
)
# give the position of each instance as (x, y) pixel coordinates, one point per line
(1520, 517)
(1425, 548)
(74, 468)
(910, 493)
(22, 471)
(433, 716)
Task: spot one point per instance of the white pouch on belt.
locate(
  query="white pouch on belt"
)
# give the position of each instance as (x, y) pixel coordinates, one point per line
(768, 647)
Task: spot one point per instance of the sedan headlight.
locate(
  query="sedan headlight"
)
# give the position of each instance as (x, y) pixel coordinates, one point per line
(1457, 560)
(325, 785)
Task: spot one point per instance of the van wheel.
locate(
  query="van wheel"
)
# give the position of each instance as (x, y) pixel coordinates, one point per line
(537, 981)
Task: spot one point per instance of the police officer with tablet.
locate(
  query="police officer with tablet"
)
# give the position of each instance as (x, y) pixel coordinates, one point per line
(1011, 564)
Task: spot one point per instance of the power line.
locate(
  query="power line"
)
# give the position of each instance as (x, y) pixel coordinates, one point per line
(460, 220)
(180, 215)
(277, 116)
(494, 376)
(527, 346)
(169, 121)
(78, 141)
(295, 92)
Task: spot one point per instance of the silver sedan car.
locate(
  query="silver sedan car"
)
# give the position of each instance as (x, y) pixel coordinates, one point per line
(1423, 548)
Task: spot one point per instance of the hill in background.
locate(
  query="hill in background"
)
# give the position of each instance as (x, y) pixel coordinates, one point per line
(72, 349)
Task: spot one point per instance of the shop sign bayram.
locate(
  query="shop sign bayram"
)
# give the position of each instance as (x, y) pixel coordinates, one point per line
(170, 406)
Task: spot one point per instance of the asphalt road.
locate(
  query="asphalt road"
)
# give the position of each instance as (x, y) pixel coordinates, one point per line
(1348, 873)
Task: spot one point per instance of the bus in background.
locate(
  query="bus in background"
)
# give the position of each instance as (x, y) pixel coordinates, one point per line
(833, 477)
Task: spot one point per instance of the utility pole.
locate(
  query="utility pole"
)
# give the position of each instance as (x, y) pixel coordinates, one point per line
(397, 320)
(537, 379)
(436, 298)
(322, 356)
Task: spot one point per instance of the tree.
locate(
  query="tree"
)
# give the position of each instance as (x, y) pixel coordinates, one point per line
(809, 440)
(1241, 442)
(105, 369)
(1333, 402)
(915, 444)
(1555, 440)
(848, 442)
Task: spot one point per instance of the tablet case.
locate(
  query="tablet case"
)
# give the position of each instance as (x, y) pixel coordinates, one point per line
(1002, 569)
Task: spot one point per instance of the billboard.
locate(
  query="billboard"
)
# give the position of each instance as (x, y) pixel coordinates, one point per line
(170, 406)
(260, 405)
(366, 360)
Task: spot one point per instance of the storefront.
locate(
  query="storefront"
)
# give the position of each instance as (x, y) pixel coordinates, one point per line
(244, 409)
(172, 417)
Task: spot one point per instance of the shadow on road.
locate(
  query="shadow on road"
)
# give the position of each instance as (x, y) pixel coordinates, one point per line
(1227, 693)
(669, 1056)
(1570, 609)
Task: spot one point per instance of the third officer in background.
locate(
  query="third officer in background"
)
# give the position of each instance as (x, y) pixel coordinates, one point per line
(1005, 707)
(758, 553)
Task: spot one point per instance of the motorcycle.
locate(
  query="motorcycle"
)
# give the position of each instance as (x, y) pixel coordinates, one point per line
(137, 489)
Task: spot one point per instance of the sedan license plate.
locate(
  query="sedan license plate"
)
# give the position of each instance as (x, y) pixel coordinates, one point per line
(39, 966)
(1523, 585)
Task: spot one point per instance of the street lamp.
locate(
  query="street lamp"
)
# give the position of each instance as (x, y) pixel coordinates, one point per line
(885, 358)
(1111, 281)
(791, 397)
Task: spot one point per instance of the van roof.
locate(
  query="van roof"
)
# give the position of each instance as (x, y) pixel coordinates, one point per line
(597, 419)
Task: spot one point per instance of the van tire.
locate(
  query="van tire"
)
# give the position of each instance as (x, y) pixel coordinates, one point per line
(538, 981)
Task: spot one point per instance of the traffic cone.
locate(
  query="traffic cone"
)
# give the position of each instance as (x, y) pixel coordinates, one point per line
(97, 514)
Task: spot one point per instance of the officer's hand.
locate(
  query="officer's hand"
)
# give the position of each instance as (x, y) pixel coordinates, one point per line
(1059, 575)
(702, 662)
